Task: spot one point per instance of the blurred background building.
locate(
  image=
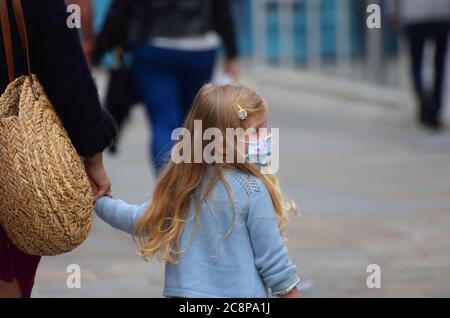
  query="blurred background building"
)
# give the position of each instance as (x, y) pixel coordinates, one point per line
(327, 35)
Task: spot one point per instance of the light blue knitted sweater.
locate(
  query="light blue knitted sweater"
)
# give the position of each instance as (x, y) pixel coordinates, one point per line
(242, 262)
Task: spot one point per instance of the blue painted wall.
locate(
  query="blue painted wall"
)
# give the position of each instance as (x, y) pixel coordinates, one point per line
(242, 13)
(328, 29)
(300, 35)
(272, 32)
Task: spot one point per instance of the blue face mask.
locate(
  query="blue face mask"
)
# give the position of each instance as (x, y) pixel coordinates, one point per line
(260, 151)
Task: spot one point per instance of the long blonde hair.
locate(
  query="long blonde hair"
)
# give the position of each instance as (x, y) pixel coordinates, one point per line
(160, 228)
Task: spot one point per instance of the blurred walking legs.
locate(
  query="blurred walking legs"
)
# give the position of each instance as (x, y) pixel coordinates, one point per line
(430, 102)
(167, 81)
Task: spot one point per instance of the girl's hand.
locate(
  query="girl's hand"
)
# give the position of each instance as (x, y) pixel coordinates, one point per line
(294, 293)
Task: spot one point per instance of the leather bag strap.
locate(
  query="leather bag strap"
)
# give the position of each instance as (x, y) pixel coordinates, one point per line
(7, 41)
(6, 36)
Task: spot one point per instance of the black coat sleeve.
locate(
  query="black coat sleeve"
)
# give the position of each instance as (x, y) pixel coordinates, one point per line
(58, 61)
(223, 22)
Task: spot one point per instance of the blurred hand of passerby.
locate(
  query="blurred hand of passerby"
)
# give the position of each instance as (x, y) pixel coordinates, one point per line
(88, 49)
(87, 30)
(394, 22)
(100, 183)
(232, 68)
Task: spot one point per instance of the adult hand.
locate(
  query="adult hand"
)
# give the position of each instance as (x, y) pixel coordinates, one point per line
(100, 183)
(88, 49)
(232, 68)
(394, 22)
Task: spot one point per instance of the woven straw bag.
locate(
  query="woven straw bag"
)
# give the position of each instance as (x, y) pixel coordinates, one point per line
(46, 202)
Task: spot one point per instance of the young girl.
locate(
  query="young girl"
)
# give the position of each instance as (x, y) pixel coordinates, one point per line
(218, 226)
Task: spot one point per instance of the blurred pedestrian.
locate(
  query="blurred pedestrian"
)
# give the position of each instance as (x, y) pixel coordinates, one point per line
(87, 34)
(174, 45)
(58, 61)
(121, 93)
(422, 21)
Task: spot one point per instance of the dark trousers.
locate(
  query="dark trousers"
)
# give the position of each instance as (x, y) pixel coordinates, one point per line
(168, 81)
(418, 34)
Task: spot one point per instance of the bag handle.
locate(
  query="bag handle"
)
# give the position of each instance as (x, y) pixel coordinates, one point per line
(7, 41)
(6, 36)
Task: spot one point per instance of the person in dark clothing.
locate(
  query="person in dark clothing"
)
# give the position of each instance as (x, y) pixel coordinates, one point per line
(424, 21)
(431, 102)
(58, 61)
(121, 94)
(174, 45)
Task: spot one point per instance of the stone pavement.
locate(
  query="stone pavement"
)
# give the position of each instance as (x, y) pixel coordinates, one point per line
(372, 189)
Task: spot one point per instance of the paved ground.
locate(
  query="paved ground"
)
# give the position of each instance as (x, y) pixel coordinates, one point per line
(372, 188)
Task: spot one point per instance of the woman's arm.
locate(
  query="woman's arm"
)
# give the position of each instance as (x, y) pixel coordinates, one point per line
(224, 26)
(271, 255)
(58, 60)
(120, 214)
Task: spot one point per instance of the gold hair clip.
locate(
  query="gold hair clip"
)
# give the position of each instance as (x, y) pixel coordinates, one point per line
(242, 112)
